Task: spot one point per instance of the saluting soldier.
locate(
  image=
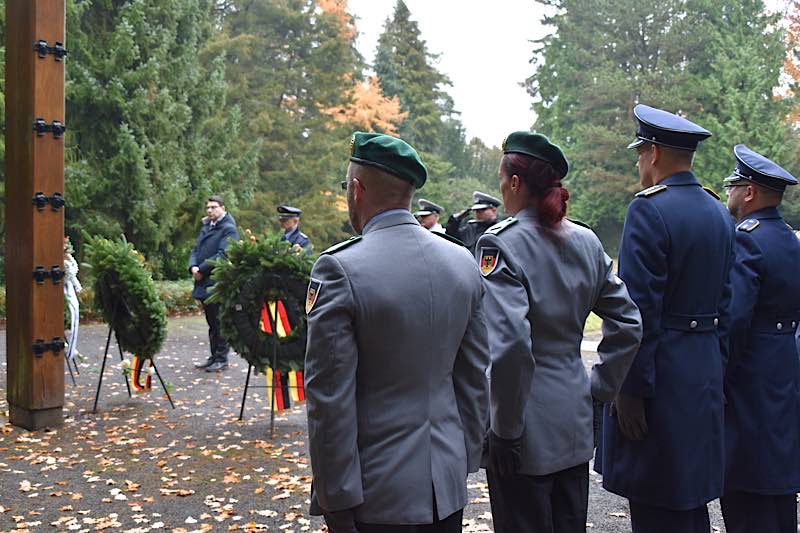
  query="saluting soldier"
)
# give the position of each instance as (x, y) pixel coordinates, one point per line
(762, 378)
(395, 369)
(428, 215)
(663, 444)
(543, 275)
(484, 209)
(289, 219)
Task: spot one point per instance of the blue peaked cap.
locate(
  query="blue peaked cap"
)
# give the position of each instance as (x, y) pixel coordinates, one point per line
(661, 127)
(754, 167)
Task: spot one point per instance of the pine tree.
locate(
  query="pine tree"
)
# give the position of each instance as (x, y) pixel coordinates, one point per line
(695, 57)
(150, 134)
(290, 61)
(406, 70)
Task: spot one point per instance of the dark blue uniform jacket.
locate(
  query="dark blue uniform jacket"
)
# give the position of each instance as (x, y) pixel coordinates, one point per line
(211, 244)
(299, 238)
(762, 383)
(675, 258)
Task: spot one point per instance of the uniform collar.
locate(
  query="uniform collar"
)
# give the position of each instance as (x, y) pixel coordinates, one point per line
(680, 178)
(392, 217)
(766, 213)
(291, 232)
(528, 213)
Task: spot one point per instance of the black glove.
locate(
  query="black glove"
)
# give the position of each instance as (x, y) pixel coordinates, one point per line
(631, 416)
(597, 420)
(504, 454)
(461, 215)
(343, 521)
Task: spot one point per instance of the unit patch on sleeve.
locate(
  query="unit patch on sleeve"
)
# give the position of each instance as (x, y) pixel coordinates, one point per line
(314, 287)
(489, 258)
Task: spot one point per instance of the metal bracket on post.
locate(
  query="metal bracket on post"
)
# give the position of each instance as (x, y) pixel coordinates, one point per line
(56, 201)
(56, 128)
(55, 273)
(56, 346)
(41, 48)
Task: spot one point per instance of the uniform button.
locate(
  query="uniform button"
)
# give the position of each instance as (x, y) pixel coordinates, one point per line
(716, 322)
(779, 326)
(693, 324)
(794, 325)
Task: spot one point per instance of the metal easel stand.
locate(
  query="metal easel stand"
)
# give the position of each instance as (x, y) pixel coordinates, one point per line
(247, 386)
(122, 357)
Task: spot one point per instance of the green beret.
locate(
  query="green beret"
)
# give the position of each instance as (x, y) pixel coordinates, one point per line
(388, 153)
(538, 146)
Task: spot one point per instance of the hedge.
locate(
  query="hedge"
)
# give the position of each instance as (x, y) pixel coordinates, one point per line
(176, 295)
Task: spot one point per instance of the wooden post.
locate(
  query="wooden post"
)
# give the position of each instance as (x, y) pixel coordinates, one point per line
(34, 235)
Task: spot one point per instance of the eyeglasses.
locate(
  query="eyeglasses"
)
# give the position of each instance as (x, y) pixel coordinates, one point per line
(343, 184)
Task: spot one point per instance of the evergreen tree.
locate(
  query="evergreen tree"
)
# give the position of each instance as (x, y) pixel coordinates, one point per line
(696, 57)
(291, 63)
(150, 134)
(406, 70)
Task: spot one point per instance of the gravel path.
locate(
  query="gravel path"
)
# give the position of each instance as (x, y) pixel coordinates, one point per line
(137, 465)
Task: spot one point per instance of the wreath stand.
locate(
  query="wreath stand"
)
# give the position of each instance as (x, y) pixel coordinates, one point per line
(275, 342)
(115, 308)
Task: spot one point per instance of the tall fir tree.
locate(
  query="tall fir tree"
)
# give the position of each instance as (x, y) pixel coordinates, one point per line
(675, 55)
(406, 70)
(150, 134)
(291, 62)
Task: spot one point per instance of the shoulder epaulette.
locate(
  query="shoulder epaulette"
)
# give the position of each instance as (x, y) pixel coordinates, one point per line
(748, 225)
(650, 191)
(580, 223)
(342, 245)
(449, 238)
(788, 226)
(502, 226)
(712, 192)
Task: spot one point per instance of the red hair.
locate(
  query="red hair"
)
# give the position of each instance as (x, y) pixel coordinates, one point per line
(543, 182)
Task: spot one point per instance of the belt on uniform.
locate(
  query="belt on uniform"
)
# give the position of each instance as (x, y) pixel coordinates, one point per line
(691, 323)
(779, 326)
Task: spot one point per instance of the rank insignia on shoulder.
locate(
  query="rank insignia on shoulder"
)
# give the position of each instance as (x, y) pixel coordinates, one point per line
(501, 226)
(313, 292)
(489, 258)
(650, 191)
(748, 225)
(580, 223)
(342, 245)
(712, 192)
(448, 237)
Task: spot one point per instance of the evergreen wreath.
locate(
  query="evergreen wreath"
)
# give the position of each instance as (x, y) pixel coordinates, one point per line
(262, 269)
(125, 293)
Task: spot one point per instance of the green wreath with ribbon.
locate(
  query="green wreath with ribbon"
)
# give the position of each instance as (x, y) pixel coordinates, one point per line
(261, 288)
(125, 293)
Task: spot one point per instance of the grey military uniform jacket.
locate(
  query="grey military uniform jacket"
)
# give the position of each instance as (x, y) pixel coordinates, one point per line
(395, 374)
(541, 285)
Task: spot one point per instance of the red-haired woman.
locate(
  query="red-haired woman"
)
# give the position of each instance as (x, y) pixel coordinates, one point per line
(543, 275)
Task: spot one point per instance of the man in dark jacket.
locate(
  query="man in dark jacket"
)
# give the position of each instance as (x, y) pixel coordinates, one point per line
(484, 209)
(218, 227)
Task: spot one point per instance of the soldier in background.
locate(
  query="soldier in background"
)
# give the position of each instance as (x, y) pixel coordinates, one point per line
(762, 378)
(428, 215)
(289, 219)
(484, 210)
(663, 442)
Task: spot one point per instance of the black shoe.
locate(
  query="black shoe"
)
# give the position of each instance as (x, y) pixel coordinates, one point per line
(208, 363)
(217, 366)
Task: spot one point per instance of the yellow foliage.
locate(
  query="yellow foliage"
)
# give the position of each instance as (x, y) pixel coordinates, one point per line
(369, 109)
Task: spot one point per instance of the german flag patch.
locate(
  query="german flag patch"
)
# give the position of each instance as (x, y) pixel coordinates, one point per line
(489, 258)
(314, 287)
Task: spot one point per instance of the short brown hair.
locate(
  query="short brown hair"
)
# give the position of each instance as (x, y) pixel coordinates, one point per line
(216, 198)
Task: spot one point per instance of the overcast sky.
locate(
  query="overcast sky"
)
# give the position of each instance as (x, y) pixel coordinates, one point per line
(484, 48)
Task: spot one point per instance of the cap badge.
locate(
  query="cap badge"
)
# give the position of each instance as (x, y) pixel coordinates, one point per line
(352, 146)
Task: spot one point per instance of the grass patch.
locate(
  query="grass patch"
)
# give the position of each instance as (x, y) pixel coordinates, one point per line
(593, 325)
